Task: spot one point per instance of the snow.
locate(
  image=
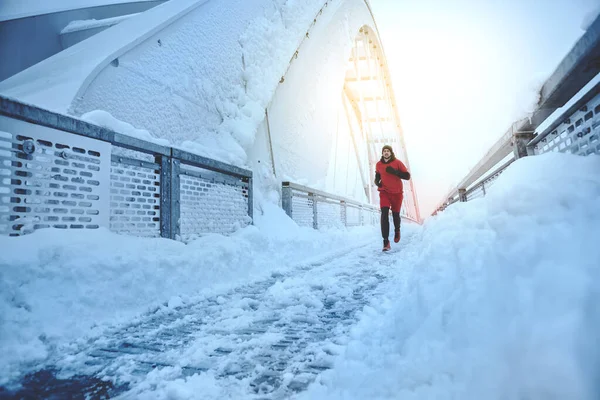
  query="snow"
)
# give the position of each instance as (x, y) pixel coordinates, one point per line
(104, 119)
(79, 25)
(205, 90)
(491, 299)
(496, 300)
(58, 286)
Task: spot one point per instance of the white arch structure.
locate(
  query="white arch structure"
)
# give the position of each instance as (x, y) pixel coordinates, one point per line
(368, 93)
(299, 90)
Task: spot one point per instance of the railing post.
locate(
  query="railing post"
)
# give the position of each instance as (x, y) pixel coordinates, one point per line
(315, 213)
(286, 198)
(175, 198)
(462, 195)
(170, 201)
(520, 141)
(344, 212)
(250, 200)
(165, 195)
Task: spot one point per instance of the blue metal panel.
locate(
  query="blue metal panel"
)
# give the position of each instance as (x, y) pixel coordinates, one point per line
(34, 35)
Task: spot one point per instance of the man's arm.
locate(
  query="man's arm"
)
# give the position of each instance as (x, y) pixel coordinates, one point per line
(399, 173)
(377, 179)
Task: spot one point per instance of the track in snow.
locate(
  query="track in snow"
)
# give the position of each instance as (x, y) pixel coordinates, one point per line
(274, 345)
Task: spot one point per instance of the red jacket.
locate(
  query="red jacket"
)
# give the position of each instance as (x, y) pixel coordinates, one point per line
(390, 182)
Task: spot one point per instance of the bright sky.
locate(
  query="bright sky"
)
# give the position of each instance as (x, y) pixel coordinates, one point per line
(464, 70)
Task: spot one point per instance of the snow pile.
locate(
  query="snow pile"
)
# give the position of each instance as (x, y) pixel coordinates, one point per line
(497, 300)
(106, 120)
(80, 25)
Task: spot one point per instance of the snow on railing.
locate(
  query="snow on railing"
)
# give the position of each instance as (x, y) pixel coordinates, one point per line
(58, 171)
(316, 209)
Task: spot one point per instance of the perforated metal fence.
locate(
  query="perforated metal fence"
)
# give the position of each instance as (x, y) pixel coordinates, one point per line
(60, 172)
(330, 213)
(303, 205)
(212, 202)
(353, 216)
(576, 131)
(134, 197)
(49, 179)
(316, 209)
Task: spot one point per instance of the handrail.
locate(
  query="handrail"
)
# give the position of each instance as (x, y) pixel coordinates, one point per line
(490, 176)
(328, 195)
(558, 121)
(30, 113)
(576, 70)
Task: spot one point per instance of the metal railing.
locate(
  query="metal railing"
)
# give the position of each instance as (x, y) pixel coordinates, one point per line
(576, 130)
(480, 188)
(316, 209)
(59, 171)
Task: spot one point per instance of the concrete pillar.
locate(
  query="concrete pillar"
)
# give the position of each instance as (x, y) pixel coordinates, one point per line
(462, 195)
(520, 141)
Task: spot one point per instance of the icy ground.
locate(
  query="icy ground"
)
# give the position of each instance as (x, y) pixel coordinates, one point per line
(266, 339)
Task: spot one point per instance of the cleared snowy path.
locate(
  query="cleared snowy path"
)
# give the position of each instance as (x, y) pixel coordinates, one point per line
(267, 339)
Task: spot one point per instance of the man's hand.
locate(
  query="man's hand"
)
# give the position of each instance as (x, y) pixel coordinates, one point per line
(396, 172)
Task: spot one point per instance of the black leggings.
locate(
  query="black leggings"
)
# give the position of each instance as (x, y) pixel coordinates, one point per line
(385, 221)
